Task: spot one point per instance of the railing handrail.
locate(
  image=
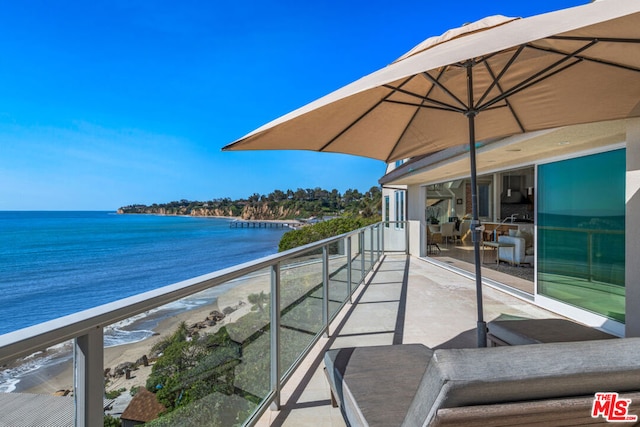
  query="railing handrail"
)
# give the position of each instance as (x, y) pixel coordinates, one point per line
(34, 338)
(580, 230)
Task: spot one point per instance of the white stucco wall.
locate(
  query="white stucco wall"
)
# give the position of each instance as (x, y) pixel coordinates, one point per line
(632, 231)
(416, 198)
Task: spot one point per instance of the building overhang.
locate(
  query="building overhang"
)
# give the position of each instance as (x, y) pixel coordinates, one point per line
(506, 153)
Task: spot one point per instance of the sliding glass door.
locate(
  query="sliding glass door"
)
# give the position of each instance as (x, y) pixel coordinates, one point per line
(581, 224)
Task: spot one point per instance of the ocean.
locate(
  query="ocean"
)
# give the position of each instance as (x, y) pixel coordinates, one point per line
(57, 263)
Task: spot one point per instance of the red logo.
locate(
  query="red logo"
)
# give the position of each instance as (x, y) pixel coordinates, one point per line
(612, 408)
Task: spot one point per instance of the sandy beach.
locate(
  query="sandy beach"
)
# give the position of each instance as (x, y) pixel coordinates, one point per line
(56, 378)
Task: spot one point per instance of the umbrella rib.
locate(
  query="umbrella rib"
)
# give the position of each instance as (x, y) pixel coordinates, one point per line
(502, 73)
(363, 115)
(426, 98)
(415, 113)
(447, 91)
(586, 58)
(430, 107)
(497, 84)
(601, 39)
(520, 87)
(539, 76)
(611, 64)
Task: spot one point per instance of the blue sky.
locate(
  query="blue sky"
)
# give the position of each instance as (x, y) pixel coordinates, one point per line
(109, 103)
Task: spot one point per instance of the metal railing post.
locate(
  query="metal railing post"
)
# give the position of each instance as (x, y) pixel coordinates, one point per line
(382, 227)
(325, 289)
(89, 378)
(349, 269)
(275, 335)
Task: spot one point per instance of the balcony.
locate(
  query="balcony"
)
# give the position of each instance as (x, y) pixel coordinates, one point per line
(282, 313)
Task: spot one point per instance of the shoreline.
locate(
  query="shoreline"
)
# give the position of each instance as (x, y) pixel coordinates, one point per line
(233, 218)
(180, 215)
(57, 377)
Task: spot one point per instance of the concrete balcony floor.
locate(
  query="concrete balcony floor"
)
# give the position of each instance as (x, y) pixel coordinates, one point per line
(406, 300)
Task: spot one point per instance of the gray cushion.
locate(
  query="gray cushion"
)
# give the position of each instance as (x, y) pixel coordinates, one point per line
(375, 385)
(509, 374)
(535, 331)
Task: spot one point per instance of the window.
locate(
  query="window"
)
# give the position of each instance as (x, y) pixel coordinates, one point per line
(399, 208)
(387, 210)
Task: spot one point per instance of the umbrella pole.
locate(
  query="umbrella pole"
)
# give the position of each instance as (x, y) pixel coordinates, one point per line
(475, 222)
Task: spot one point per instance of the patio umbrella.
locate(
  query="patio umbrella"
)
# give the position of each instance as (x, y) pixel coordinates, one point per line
(490, 79)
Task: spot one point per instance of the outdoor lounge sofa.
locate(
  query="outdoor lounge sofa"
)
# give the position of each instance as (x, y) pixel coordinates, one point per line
(542, 384)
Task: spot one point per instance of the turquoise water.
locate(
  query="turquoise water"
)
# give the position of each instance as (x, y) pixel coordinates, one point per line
(57, 263)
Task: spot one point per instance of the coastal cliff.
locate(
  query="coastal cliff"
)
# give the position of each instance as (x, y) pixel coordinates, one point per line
(260, 211)
(179, 211)
(278, 205)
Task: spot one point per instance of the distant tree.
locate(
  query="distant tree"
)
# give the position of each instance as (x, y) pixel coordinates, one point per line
(300, 194)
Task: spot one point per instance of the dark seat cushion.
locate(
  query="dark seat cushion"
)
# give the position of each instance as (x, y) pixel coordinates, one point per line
(537, 331)
(375, 385)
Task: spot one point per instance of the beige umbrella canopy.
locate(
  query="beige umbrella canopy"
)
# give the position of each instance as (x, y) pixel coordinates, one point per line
(588, 57)
(493, 78)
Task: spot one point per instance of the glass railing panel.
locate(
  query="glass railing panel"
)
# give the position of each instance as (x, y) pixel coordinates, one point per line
(300, 306)
(338, 277)
(211, 365)
(43, 379)
(368, 250)
(356, 262)
(375, 244)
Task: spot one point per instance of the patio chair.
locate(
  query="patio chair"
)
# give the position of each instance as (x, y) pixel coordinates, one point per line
(464, 233)
(434, 237)
(446, 230)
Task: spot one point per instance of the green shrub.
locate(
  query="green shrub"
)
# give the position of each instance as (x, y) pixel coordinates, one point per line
(114, 393)
(110, 421)
(323, 230)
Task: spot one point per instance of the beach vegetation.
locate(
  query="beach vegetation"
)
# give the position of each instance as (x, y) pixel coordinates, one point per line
(112, 394)
(111, 421)
(323, 230)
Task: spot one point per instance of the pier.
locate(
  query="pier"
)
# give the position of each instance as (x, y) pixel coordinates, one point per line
(256, 223)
